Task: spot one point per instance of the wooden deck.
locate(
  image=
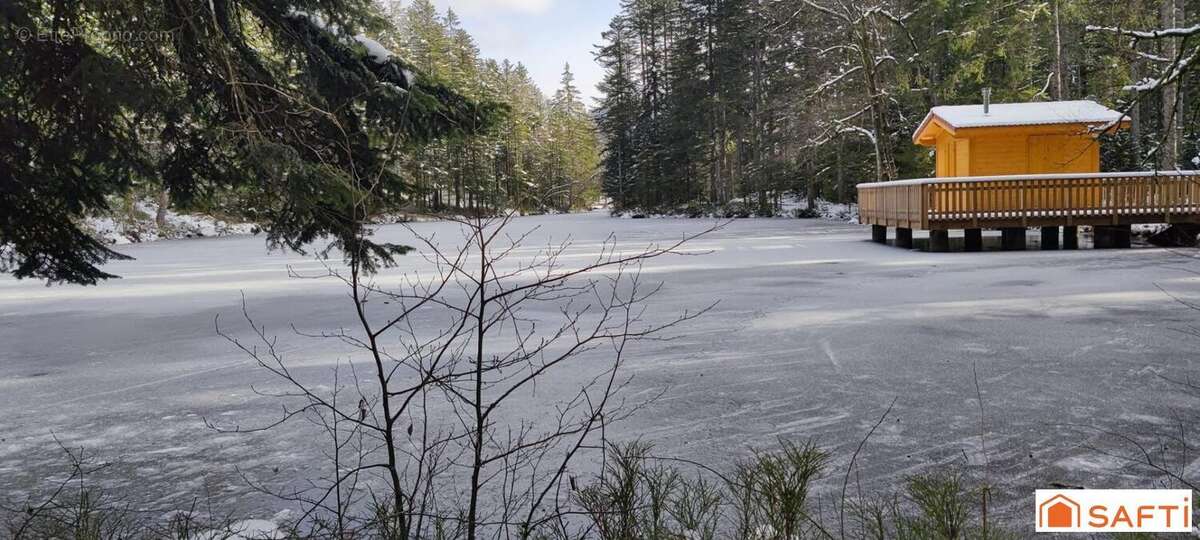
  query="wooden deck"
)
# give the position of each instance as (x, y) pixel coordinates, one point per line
(1042, 200)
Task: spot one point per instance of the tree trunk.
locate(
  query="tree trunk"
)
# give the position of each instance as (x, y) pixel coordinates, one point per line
(885, 160)
(1135, 113)
(1060, 89)
(1178, 133)
(164, 203)
(1168, 151)
(839, 173)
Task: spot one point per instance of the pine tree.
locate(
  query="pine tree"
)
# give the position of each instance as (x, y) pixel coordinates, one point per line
(651, 24)
(291, 100)
(575, 147)
(687, 149)
(618, 113)
(520, 164)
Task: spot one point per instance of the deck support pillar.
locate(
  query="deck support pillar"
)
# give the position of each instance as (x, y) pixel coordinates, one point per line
(939, 241)
(1050, 238)
(1113, 236)
(879, 234)
(1101, 237)
(1012, 238)
(1070, 239)
(904, 238)
(1123, 236)
(973, 240)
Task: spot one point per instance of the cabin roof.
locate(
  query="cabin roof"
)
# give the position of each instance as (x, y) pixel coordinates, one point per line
(1021, 114)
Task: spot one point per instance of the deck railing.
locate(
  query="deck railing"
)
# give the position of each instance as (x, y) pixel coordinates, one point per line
(1032, 200)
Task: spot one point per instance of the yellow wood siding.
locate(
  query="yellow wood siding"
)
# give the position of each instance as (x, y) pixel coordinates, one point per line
(994, 156)
(945, 156)
(1063, 154)
(962, 157)
(1016, 150)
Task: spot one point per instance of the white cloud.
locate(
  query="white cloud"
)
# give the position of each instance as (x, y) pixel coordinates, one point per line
(483, 7)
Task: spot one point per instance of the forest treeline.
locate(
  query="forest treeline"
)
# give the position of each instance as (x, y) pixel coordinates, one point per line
(310, 118)
(538, 153)
(306, 116)
(708, 101)
(543, 154)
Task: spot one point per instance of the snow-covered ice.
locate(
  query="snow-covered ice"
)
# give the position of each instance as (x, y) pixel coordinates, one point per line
(817, 330)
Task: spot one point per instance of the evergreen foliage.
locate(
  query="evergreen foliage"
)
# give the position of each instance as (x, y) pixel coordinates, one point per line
(288, 99)
(542, 156)
(708, 101)
(287, 107)
(312, 128)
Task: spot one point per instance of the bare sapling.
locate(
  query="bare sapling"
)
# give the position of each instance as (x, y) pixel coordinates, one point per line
(476, 380)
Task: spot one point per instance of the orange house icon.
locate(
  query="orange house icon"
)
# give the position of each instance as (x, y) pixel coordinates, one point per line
(1059, 511)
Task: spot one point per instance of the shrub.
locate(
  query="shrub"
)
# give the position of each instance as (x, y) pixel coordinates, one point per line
(768, 496)
(735, 209)
(942, 507)
(696, 210)
(773, 491)
(806, 213)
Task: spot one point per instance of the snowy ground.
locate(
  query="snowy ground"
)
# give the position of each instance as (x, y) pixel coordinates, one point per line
(817, 330)
(137, 225)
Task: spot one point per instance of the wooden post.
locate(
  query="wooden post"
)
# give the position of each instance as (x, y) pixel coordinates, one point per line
(1012, 238)
(879, 234)
(973, 240)
(1050, 238)
(1070, 239)
(904, 238)
(939, 241)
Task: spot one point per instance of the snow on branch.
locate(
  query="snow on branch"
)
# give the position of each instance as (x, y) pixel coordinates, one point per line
(1171, 76)
(1152, 57)
(852, 116)
(840, 126)
(1175, 68)
(834, 81)
(376, 51)
(827, 11)
(1148, 34)
(839, 47)
(856, 129)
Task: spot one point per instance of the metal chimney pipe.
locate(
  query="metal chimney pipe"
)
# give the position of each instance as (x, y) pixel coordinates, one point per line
(987, 100)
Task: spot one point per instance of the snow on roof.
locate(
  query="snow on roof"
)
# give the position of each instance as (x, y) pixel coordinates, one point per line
(1022, 114)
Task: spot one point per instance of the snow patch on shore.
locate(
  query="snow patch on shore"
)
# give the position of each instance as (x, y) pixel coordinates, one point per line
(140, 226)
(847, 213)
(790, 207)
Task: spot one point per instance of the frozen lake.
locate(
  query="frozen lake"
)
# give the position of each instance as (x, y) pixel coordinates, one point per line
(817, 330)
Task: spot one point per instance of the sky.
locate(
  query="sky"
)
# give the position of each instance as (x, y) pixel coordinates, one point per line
(542, 34)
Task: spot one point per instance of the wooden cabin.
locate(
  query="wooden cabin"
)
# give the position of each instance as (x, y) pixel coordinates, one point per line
(1017, 138)
(1014, 166)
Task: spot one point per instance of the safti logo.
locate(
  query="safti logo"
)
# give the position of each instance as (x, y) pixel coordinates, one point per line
(1114, 510)
(1059, 512)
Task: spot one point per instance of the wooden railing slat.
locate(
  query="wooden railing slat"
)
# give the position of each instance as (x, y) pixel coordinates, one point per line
(1039, 199)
